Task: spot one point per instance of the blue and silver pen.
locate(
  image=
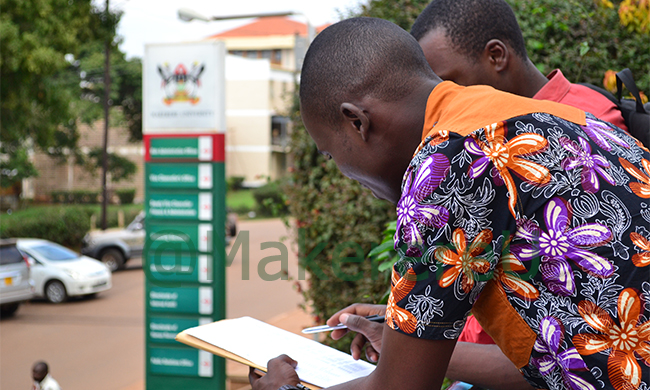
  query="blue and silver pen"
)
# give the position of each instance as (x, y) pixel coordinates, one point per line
(325, 328)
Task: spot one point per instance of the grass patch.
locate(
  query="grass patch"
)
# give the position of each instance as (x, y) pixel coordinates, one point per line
(240, 201)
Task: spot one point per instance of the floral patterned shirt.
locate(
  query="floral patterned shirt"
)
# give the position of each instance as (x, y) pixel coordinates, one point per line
(538, 223)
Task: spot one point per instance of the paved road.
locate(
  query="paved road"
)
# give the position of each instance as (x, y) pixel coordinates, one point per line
(99, 343)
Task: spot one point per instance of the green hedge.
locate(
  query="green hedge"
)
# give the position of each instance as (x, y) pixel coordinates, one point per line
(235, 183)
(126, 195)
(584, 38)
(76, 197)
(66, 226)
(271, 200)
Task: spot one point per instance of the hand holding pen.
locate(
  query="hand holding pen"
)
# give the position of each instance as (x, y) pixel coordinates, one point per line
(369, 333)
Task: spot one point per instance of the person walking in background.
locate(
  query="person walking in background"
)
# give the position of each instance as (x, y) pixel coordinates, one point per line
(42, 378)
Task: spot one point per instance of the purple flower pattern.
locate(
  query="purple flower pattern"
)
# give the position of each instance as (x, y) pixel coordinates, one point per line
(411, 212)
(561, 243)
(592, 164)
(551, 334)
(479, 165)
(600, 133)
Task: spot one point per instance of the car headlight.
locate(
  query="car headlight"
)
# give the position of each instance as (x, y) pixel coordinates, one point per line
(74, 274)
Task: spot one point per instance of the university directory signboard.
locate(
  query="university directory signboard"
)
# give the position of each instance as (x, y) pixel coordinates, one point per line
(179, 176)
(181, 206)
(184, 254)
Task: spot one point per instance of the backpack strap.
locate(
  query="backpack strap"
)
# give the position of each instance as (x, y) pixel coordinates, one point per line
(625, 77)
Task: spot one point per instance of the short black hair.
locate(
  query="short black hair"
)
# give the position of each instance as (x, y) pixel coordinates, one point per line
(41, 366)
(471, 24)
(359, 57)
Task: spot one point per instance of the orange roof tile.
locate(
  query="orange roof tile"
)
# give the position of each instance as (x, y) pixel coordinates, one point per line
(275, 25)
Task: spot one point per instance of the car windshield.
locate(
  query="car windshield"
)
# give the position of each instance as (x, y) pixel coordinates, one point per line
(54, 252)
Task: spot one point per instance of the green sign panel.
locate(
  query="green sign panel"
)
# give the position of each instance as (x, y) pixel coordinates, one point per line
(180, 206)
(183, 262)
(164, 330)
(179, 267)
(189, 300)
(196, 148)
(176, 237)
(180, 175)
(177, 361)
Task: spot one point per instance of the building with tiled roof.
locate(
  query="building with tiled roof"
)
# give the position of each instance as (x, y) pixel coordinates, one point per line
(280, 39)
(261, 71)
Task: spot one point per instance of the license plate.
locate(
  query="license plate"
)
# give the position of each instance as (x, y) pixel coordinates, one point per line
(9, 281)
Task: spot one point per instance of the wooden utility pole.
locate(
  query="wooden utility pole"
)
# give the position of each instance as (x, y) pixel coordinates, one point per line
(107, 94)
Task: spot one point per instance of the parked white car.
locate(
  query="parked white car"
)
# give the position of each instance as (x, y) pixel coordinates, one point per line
(59, 273)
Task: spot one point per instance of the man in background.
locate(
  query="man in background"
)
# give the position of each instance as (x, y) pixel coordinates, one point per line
(42, 378)
(479, 42)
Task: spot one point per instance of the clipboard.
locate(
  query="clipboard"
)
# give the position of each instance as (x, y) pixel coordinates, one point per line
(200, 344)
(253, 342)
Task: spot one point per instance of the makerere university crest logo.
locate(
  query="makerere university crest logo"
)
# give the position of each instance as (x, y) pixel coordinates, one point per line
(181, 85)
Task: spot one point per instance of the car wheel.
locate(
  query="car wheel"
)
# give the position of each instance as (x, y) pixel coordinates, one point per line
(9, 310)
(112, 258)
(55, 292)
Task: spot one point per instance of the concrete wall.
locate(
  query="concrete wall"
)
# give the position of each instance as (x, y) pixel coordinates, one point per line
(55, 175)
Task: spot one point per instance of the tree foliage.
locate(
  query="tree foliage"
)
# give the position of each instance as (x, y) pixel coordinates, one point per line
(35, 109)
(119, 168)
(401, 12)
(584, 38)
(48, 47)
(126, 87)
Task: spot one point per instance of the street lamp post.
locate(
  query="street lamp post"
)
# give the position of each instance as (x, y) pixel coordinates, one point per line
(188, 15)
(107, 96)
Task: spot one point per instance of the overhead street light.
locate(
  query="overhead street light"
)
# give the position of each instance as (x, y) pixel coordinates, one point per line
(188, 15)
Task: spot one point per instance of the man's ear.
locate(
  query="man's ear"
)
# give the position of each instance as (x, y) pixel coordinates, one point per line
(497, 54)
(357, 118)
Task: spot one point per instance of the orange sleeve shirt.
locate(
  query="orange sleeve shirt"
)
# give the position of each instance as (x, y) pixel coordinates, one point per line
(533, 216)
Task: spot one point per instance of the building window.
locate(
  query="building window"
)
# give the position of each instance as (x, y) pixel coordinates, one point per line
(237, 53)
(277, 57)
(266, 54)
(279, 130)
